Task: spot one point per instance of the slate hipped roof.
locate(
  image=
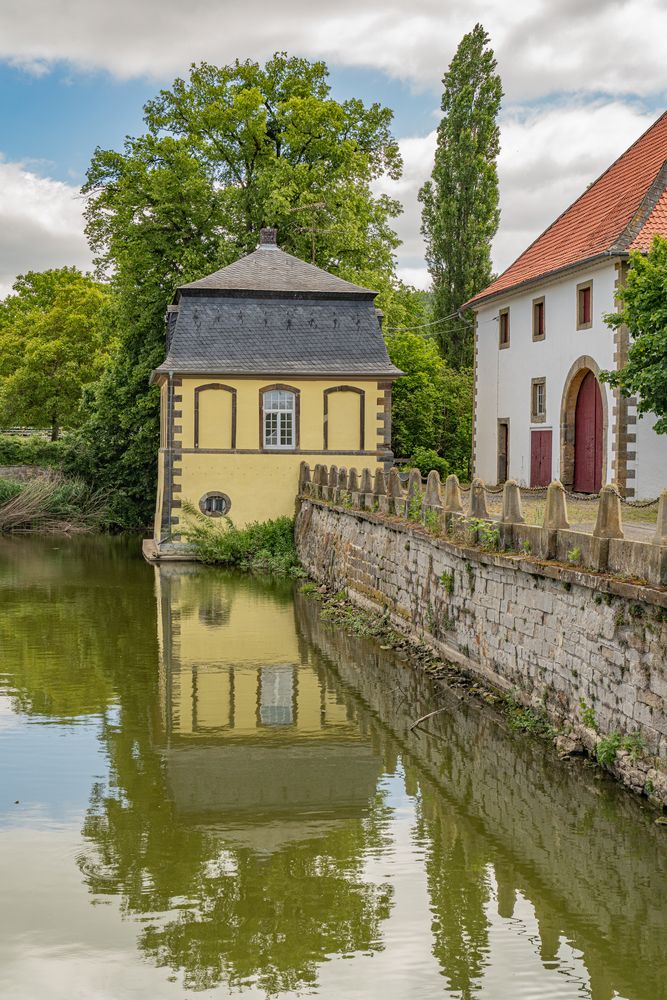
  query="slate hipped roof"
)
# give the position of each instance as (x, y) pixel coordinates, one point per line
(622, 210)
(272, 314)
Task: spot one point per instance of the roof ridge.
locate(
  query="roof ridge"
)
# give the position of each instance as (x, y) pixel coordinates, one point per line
(569, 208)
(646, 206)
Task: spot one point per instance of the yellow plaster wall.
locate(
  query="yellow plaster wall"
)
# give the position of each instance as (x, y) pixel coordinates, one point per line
(215, 419)
(262, 485)
(343, 420)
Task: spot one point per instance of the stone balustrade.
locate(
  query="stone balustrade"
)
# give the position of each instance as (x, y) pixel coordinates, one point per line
(442, 512)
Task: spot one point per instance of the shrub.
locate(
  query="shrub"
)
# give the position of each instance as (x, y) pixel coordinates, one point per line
(34, 450)
(426, 459)
(607, 748)
(266, 547)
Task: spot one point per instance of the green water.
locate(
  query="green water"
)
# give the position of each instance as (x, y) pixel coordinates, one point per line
(203, 789)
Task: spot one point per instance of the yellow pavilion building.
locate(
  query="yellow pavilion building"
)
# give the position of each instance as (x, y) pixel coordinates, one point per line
(270, 361)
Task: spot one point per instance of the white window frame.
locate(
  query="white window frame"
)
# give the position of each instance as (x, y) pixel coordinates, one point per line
(273, 408)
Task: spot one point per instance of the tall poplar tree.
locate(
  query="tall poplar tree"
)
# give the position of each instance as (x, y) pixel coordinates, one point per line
(460, 211)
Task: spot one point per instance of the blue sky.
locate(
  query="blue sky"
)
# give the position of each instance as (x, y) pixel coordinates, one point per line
(582, 80)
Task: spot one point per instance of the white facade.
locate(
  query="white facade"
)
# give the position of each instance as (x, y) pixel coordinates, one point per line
(505, 374)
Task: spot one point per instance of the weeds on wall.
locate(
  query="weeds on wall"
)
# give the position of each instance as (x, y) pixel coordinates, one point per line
(266, 547)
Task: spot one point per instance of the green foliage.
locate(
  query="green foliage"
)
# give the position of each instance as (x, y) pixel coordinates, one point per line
(527, 720)
(587, 715)
(488, 535)
(266, 547)
(447, 580)
(33, 450)
(229, 150)
(643, 309)
(607, 748)
(431, 405)
(460, 211)
(52, 344)
(634, 744)
(414, 506)
(426, 459)
(526, 547)
(574, 554)
(432, 521)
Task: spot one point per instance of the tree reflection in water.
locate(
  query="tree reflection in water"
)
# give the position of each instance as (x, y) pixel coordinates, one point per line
(244, 805)
(242, 842)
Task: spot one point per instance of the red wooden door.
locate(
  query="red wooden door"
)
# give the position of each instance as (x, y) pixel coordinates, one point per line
(588, 437)
(540, 458)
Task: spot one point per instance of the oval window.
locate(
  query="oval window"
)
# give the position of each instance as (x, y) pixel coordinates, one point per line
(215, 504)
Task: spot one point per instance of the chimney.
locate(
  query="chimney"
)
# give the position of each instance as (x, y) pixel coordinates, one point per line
(268, 237)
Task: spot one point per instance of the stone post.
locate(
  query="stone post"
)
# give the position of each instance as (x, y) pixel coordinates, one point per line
(304, 477)
(315, 484)
(555, 512)
(395, 491)
(512, 513)
(432, 501)
(380, 492)
(453, 502)
(661, 526)
(478, 499)
(367, 489)
(555, 519)
(607, 525)
(329, 488)
(660, 571)
(353, 487)
(609, 522)
(414, 483)
(341, 485)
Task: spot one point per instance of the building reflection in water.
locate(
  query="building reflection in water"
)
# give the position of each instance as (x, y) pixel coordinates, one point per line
(257, 738)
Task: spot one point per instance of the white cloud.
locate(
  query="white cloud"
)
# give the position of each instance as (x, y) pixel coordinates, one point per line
(542, 47)
(547, 159)
(41, 224)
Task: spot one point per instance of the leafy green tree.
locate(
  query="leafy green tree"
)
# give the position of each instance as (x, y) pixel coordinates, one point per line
(431, 404)
(226, 152)
(460, 211)
(51, 346)
(643, 309)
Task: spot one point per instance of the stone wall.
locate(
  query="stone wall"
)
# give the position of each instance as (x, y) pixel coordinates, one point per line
(556, 636)
(21, 473)
(582, 859)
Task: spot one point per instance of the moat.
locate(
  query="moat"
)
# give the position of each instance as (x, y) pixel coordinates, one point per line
(204, 789)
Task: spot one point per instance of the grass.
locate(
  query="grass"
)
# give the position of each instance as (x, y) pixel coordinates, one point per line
(579, 511)
(51, 504)
(266, 547)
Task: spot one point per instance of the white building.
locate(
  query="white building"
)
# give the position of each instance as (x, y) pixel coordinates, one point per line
(541, 412)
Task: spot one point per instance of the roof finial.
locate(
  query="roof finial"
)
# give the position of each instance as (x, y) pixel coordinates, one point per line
(268, 237)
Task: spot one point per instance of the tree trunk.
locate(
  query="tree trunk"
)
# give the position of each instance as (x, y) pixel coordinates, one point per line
(55, 429)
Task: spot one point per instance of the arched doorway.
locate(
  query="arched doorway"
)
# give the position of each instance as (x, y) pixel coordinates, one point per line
(588, 436)
(584, 420)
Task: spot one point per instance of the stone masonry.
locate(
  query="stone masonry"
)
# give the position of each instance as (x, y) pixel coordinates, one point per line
(556, 636)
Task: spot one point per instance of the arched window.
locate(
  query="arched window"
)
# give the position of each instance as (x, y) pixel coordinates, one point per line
(279, 417)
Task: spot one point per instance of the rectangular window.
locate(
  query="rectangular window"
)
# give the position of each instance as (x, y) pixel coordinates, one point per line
(538, 400)
(276, 696)
(585, 305)
(538, 319)
(504, 328)
(279, 406)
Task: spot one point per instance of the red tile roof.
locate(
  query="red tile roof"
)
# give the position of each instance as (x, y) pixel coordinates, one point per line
(622, 209)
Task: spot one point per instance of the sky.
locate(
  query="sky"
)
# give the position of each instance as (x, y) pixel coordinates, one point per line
(582, 80)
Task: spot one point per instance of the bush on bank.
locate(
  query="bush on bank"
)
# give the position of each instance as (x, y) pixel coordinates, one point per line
(33, 450)
(266, 547)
